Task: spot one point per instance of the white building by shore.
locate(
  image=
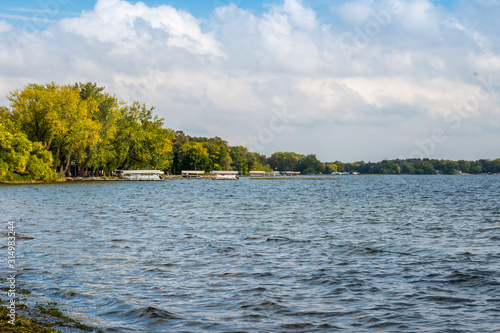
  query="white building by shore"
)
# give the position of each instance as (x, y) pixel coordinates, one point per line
(141, 174)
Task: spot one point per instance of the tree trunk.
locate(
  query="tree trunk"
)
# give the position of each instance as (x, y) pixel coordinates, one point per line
(48, 143)
(68, 164)
(56, 158)
(124, 163)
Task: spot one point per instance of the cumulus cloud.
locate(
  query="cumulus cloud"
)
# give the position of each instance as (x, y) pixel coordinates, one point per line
(385, 72)
(131, 26)
(4, 26)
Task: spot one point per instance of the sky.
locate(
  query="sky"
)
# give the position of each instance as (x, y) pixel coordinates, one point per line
(345, 80)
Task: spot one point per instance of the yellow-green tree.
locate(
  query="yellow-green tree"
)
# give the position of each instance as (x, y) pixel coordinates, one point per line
(102, 156)
(141, 141)
(194, 156)
(285, 161)
(58, 118)
(7, 120)
(254, 164)
(20, 156)
(239, 157)
(218, 152)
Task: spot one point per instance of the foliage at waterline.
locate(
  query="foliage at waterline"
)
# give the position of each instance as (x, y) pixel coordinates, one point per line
(52, 130)
(81, 127)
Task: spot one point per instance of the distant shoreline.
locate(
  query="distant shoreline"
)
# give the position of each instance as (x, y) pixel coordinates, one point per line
(178, 177)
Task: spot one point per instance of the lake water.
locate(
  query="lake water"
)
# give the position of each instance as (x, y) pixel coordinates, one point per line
(360, 253)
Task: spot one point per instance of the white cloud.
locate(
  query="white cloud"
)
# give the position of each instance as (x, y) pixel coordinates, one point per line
(27, 18)
(4, 26)
(300, 16)
(121, 23)
(356, 12)
(225, 75)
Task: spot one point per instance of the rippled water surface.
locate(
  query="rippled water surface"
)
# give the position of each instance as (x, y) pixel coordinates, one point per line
(361, 253)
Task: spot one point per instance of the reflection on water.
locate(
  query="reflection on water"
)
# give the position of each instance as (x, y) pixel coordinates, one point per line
(361, 253)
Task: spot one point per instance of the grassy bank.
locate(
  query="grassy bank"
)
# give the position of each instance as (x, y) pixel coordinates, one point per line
(21, 323)
(15, 178)
(38, 318)
(294, 178)
(26, 180)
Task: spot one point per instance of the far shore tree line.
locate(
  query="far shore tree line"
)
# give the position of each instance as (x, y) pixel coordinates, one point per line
(53, 131)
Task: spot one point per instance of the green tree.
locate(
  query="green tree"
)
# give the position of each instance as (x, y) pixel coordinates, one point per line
(476, 167)
(449, 167)
(56, 116)
(464, 166)
(218, 151)
(141, 141)
(407, 168)
(256, 162)
(180, 139)
(495, 166)
(40, 164)
(428, 168)
(6, 118)
(328, 168)
(310, 164)
(103, 155)
(20, 156)
(285, 161)
(194, 156)
(340, 166)
(239, 158)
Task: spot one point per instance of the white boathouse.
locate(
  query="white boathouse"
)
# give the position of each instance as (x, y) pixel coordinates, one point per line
(141, 174)
(224, 175)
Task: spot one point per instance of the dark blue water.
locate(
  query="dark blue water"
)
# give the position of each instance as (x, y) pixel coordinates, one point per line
(361, 253)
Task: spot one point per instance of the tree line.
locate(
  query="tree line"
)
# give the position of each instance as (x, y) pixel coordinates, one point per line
(52, 131)
(422, 166)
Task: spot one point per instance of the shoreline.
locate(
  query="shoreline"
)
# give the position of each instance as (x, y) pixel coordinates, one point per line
(43, 317)
(79, 179)
(40, 319)
(179, 177)
(22, 323)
